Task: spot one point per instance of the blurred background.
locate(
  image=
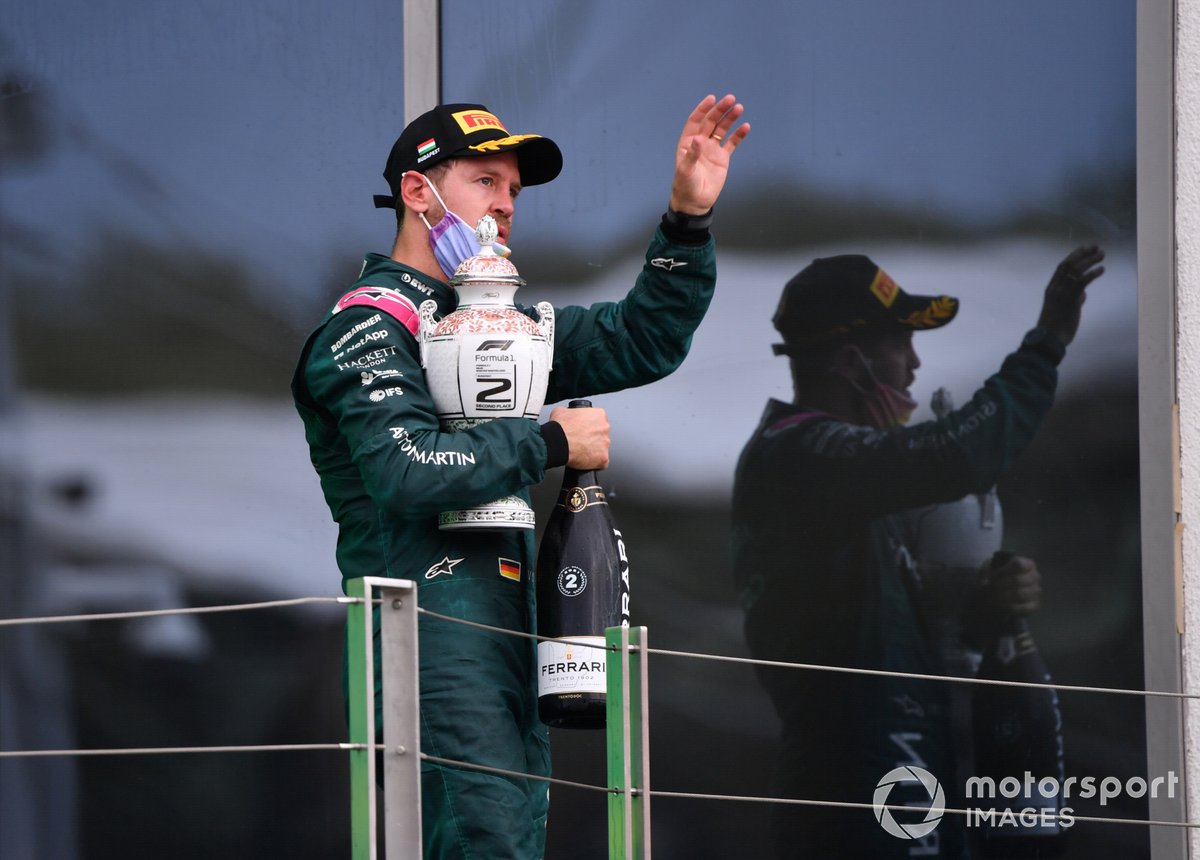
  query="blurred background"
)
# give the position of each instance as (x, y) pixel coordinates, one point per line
(184, 188)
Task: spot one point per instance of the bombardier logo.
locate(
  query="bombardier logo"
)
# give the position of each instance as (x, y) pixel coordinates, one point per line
(668, 263)
(367, 323)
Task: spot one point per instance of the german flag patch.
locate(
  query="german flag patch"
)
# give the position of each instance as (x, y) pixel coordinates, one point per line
(510, 569)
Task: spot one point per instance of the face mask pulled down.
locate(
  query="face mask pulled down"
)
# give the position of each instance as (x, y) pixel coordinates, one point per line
(885, 406)
(452, 239)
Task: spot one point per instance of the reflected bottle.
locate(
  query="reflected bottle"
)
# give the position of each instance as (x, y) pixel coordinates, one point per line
(582, 589)
(1018, 739)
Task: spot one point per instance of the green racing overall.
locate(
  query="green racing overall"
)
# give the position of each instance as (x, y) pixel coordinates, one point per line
(387, 469)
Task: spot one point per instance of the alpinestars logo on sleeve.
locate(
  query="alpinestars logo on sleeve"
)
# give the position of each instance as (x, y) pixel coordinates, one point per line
(446, 566)
(668, 263)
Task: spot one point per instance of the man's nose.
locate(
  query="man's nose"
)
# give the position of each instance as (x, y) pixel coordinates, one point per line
(504, 204)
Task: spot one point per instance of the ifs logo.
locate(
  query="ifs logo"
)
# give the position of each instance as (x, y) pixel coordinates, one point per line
(933, 815)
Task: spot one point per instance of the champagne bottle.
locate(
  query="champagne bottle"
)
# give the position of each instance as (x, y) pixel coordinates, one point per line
(1018, 738)
(582, 589)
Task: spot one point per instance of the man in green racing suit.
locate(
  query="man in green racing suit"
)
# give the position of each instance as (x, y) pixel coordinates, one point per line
(821, 543)
(387, 469)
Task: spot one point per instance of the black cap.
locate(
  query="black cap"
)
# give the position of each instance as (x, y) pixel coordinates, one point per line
(838, 297)
(458, 130)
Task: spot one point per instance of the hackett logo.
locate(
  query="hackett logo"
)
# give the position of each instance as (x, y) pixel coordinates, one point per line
(477, 120)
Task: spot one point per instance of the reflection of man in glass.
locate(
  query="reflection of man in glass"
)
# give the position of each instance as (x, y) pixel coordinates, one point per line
(821, 555)
(387, 469)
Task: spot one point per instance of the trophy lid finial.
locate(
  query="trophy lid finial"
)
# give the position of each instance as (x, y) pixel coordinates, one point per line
(942, 402)
(487, 267)
(486, 232)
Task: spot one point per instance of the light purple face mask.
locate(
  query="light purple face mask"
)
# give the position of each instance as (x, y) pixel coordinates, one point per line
(452, 240)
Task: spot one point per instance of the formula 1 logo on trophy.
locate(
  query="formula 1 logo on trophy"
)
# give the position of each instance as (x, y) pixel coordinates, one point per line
(486, 360)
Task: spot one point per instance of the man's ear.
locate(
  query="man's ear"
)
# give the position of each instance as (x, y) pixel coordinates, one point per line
(414, 192)
(848, 361)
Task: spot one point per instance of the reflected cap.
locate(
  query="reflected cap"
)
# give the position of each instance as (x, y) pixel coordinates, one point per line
(837, 297)
(463, 130)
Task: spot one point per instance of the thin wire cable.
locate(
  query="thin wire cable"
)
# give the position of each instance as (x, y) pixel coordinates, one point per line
(243, 748)
(481, 626)
(343, 747)
(187, 610)
(617, 790)
(846, 804)
(299, 601)
(516, 773)
(347, 747)
(248, 748)
(847, 670)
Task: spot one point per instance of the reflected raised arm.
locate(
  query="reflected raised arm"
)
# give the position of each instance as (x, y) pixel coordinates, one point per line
(1065, 294)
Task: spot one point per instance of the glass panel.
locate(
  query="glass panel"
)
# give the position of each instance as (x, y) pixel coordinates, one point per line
(186, 188)
(966, 150)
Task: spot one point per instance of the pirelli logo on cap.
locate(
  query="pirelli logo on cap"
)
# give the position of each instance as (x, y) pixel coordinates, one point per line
(478, 120)
(884, 288)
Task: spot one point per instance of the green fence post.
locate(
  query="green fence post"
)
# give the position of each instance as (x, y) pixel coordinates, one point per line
(397, 617)
(628, 744)
(361, 689)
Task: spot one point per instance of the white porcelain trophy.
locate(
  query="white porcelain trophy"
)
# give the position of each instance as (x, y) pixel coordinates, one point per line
(486, 360)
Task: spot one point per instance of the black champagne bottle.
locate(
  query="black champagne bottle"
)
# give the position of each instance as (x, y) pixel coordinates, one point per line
(582, 589)
(1018, 741)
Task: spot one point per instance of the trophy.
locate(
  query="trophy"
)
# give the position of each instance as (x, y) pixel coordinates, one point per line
(486, 360)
